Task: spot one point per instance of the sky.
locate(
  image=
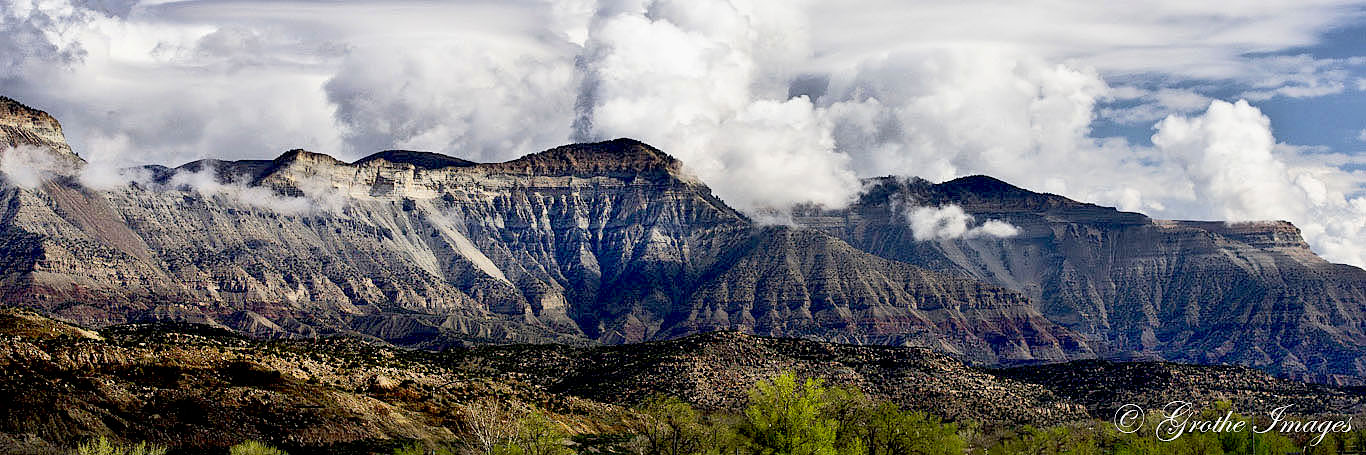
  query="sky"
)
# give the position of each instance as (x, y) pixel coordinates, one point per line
(1237, 111)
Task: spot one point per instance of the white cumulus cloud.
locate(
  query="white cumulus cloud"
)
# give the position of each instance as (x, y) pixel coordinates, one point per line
(951, 222)
(702, 80)
(1238, 174)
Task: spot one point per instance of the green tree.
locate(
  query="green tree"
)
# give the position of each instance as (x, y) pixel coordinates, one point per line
(720, 436)
(893, 431)
(1050, 441)
(536, 434)
(668, 426)
(418, 448)
(787, 418)
(851, 410)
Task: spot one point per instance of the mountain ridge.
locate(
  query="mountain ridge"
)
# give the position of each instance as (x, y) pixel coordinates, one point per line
(608, 242)
(1135, 287)
(614, 242)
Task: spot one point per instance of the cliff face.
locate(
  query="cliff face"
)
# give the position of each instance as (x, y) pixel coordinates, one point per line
(1203, 292)
(22, 125)
(608, 242)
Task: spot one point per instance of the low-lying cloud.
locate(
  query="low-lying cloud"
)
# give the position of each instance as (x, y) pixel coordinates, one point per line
(318, 195)
(951, 222)
(28, 166)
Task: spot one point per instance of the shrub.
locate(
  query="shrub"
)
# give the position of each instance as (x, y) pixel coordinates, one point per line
(104, 446)
(418, 448)
(254, 448)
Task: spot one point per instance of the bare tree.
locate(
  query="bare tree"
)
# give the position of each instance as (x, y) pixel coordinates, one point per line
(489, 423)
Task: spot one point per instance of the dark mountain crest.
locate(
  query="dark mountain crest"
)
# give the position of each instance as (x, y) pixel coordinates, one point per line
(964, 191)
(621, 155)
(988, 186)
(980, 194)
(424, 160)
(224, 171)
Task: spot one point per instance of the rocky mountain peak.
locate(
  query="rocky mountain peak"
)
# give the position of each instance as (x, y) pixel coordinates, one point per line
(621, 155)
(985, 185)
(975, 193)
(299, 163)
(23, 125)
(305, 156)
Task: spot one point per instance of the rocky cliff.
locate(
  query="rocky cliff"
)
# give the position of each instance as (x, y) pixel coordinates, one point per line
(608, 242)
(1188, 291)
(22, 125)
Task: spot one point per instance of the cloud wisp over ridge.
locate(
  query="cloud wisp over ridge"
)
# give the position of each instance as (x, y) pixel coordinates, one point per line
(951, 222)
(770, 102)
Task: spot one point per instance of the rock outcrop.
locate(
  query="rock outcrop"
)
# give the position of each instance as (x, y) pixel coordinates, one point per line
(1188, 291)
(23, 125)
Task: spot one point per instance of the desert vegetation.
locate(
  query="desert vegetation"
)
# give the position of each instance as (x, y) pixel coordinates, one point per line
(789, 415)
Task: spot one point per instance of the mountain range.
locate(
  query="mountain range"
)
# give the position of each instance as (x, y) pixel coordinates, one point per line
(615, 242)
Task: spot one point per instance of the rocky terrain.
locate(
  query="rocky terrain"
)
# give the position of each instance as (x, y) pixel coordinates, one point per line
(1135, 287)
(609, 242)
(196, 387)
(714, 371)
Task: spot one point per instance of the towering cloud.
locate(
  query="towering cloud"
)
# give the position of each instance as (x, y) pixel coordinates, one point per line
(1229, 157)
(942, 113)
(480, 99)
(705, 80)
